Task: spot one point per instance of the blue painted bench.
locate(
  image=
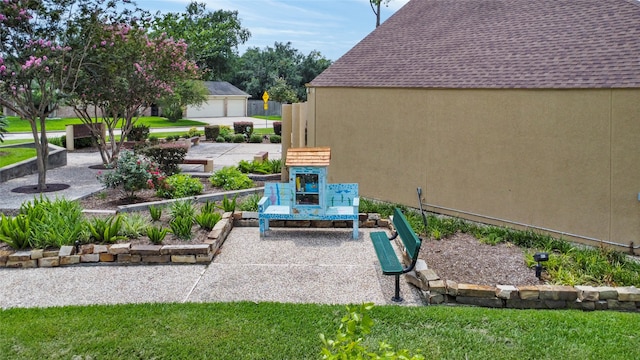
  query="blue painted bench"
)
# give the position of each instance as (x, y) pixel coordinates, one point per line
(340, 203)
(387, 257)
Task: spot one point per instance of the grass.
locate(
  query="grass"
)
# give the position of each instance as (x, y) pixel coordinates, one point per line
(291, 331)
(10, 156)
(270, 117)
(16, 125)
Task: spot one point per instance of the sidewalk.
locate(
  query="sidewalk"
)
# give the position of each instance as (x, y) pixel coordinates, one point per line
(83, 181)
(291, 266)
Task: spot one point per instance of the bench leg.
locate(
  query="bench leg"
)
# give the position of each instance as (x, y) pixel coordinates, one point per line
(396, 297)
(355, 229)
(264, 226)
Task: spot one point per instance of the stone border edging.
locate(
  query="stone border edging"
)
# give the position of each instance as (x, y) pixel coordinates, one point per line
(438, 291)
(131, 254)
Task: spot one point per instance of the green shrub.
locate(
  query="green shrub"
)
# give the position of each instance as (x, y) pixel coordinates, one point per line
(243, 127)
(155, 212)
(230, 178)
(255, 139)
(193, 132)
(57, 141)
(275, 166)
(54, 223)
(207, 220)
(349, 342)
(156, 234)
(181, 227)
(179, 186)
(133, 225)
(228, 137)
(106, 230)
(153, 140)
(220, 139)
(275, 139)
(182, 209)
(250, 203)
(211, 132)
(208, 207)
(167, 156)
(225, 130)
(229, 205)
(15, 231)
(132, 173)
(138, 133)
(80, 143)
(277, 127)
(238, 138)
(254, 167)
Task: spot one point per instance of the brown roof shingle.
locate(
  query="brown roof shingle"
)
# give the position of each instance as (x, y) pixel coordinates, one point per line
(318, 156)
(497, 44)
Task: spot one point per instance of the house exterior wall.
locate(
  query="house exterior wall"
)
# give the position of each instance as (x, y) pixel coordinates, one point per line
(563, 160)
(219, 106)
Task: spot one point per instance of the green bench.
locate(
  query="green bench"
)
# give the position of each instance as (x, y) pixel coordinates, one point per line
(387, 257)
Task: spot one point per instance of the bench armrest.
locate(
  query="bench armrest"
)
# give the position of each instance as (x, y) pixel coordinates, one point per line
(263, 204)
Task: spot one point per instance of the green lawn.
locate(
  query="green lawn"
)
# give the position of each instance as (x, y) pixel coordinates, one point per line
(10, 156)
(17, 125)
(286, 331)
(271, 117)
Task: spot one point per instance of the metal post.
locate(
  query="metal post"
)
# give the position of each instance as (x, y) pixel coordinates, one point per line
(396, 297)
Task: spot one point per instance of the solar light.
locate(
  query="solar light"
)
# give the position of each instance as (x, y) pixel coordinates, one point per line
(540, 257)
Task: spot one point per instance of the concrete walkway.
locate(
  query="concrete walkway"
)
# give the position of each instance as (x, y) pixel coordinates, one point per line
(83, 181)
(293, 266)
(289, 266)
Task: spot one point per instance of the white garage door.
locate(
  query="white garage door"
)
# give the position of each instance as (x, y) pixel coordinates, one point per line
(212, 108)
(236, 107)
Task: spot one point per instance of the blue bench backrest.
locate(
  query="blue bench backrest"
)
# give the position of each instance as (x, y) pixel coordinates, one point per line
(341, 194)
(279, 193)
(335, 195)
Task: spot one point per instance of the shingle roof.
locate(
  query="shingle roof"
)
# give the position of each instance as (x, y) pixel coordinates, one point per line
(497, 44)
(320, 156)
(223, 88)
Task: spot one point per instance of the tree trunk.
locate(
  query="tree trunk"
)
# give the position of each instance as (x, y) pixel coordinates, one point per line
(378, 14)
(42, 151)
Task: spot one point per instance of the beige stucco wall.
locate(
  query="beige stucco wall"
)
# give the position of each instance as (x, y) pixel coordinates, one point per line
(564, 160)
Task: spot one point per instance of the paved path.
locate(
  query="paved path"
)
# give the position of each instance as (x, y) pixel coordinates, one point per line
(290, 266)
(293, 266)
(83, 181)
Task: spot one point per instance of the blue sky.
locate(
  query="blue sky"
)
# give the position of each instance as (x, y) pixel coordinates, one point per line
(329, 26)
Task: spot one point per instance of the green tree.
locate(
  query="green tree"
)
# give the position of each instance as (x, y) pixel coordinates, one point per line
(259, 70)
(282, 92)
(375, 7)
(124, 73)
(40, 56)
(188, 92)
(213, 37)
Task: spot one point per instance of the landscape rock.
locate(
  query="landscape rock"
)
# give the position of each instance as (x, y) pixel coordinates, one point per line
(49, 262)
(628, 293)
(478, 291)
(587, 293)
(506, 292)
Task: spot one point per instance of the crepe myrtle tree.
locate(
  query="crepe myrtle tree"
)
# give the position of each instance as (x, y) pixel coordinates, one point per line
(35, 62)
(126, 71)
